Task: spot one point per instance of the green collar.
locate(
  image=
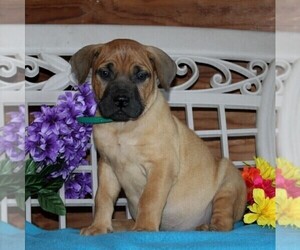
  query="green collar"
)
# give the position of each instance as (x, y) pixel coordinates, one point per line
(93, 120)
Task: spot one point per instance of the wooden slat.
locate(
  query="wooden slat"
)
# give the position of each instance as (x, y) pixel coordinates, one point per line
(12, 12)
(235, 14)
(287, 15)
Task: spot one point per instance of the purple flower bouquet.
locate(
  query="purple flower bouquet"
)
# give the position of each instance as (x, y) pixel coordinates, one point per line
(56, 144)
(12, 140)
(13, 136)
(55, 136)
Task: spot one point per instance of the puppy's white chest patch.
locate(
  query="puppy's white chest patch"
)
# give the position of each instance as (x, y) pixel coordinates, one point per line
(122, 151)
(123, 154)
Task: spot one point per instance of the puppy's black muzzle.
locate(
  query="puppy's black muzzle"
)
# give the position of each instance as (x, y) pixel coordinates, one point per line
(121, 102)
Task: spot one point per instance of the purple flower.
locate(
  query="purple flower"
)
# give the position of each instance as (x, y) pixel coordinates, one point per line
(51, 118)
(44, 146)
(79, 186)
(55, 136)
(12, 137)
(67, 104)
(87, 96)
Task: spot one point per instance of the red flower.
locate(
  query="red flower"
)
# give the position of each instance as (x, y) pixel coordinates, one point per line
(249, 174)
(253, 180)
(266, 185)
(290, 185)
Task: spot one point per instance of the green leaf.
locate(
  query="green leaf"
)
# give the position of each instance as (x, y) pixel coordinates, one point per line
(37, 183)
(55, 184)
(51, 202)
(20, 198)
(2, 195)
(8, 181)
(27, 194)
(47, 170)
(34, 183)
(6, 167)
(30, 167)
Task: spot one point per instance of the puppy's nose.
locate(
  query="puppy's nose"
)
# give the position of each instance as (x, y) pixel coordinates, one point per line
(121, 101)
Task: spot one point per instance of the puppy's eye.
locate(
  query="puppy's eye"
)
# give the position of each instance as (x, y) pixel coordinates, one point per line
(105, 74)
(142, 75)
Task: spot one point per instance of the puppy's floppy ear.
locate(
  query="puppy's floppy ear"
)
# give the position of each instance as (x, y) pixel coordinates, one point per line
(164, 65)
(82, 61)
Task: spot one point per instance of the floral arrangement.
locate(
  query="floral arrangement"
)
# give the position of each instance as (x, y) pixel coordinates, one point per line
(12, 139)
(273, 193)
(260, 181)
(287, 194)
(55, 136)
(13, 136)
(79, 186)
(55, 143)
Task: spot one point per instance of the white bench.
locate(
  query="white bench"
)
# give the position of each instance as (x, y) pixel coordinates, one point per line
(190, 48)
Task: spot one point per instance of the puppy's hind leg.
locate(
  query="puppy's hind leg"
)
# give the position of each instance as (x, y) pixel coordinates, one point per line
(229, 202)
(222, 213)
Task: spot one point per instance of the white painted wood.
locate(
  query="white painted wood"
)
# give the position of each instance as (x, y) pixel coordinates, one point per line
(190, 48)
(287, 46)
(288, 96)
(266, 121)
(223, 128)
(189, 116)
(62, 220)
(289, 118)
(12, 40)
(230, 132)
(216, 43)
(3, 209)
(94, 164)
(28, 205)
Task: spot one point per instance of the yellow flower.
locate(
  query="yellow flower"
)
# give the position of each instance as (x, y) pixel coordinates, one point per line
(289, 171)
(287, 209)
(262, 211)
(266, 170)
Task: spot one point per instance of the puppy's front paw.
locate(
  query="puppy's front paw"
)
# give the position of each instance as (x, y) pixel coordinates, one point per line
(93, 230)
